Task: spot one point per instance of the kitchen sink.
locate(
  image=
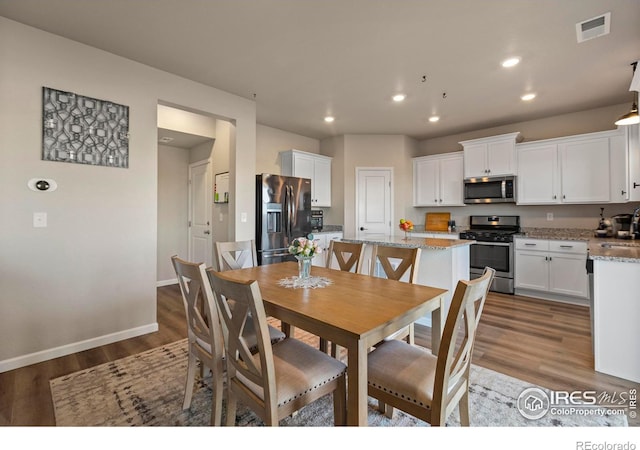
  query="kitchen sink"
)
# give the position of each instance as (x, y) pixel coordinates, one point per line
(617, 246)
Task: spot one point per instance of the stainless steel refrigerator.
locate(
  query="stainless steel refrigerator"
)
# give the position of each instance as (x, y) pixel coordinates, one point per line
(283, 213)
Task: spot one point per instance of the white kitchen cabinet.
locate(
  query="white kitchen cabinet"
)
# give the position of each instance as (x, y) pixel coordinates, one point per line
(633, 149)
(551, 269)
(537, 174)
(491, 156)
(313, 166)
(585, 170)
(438, 180)
(577, 169)
(324, 239)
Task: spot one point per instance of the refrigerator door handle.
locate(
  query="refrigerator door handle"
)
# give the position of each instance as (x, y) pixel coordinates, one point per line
(290, 215)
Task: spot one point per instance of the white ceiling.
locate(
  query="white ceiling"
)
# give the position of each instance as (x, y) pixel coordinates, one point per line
(304, 59)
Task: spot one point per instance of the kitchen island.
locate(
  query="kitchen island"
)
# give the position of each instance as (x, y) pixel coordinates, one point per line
(442, 261)
(616, 307)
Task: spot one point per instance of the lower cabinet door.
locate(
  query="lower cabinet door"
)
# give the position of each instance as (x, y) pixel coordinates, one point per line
(532, 270)
(568, 276)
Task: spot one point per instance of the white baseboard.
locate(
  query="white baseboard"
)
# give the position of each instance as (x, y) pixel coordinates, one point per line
(56, 352)
(166, 282)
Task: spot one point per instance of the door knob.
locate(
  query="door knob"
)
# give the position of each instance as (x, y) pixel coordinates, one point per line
(362, 228)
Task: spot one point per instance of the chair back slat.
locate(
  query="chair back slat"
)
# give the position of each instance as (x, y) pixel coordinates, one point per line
(349, 256)
(236, 255)
(396, 262)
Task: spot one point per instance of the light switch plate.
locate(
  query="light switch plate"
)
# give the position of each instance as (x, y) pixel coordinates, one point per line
(40, 220)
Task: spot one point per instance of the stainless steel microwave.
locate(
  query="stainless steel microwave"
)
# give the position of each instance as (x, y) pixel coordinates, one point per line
(490, 190)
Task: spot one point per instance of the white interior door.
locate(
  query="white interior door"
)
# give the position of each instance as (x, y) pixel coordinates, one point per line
(200, 241)
(373, 201)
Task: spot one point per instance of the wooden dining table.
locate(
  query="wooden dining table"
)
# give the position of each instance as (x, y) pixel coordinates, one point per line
(355, 311)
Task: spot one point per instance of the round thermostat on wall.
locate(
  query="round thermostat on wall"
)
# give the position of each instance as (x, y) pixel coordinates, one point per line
(42, 185)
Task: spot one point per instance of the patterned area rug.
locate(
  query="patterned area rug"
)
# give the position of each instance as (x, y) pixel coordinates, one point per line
(147, 390)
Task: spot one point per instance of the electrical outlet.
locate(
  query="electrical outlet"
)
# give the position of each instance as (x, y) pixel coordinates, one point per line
(243, 217)
(549, 216)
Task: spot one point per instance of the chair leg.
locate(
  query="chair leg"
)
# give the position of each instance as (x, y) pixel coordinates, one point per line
(218, 392)
(463, 407)
(340, 402)
(191, 376)
(324, 345)
(385, 409)
(411, 337)
(232, 402)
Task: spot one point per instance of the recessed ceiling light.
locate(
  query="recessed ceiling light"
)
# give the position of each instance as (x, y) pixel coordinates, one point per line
(528, 97)
(510, 62)
(399, 97)
(434, 119)
(329, 119)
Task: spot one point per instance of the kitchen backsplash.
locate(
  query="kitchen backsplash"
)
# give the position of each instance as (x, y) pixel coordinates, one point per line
(564, 216)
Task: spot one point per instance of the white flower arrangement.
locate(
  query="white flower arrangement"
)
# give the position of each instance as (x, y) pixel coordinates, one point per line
(305, 246)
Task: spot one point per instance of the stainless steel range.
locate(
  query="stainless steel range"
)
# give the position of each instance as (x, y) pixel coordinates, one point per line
(493, 248)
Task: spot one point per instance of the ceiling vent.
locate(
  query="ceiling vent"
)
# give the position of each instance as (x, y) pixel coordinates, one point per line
(593, 28)
(165, 139)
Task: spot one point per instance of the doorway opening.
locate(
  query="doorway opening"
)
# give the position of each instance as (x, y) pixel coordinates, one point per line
(192, 148)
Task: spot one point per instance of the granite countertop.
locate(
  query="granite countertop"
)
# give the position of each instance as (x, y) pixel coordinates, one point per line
(622, 250)
(330, 229)
(424, 243)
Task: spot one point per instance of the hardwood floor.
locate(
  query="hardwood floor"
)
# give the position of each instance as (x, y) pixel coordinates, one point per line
(542, 342)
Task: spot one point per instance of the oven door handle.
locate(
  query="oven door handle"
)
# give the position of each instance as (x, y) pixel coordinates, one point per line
(495, 244)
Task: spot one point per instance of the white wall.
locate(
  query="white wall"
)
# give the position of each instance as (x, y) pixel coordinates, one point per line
(589, 121)
(374, 151)
(220, 163)
(271, 141)
(186, 122)
(90, 277)
(173, 209)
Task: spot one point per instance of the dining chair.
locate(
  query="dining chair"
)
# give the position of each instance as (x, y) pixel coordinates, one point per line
(349, 257)
(397, 263)
(429, 387)
(236, 255)
(205, 332)
(280, 378)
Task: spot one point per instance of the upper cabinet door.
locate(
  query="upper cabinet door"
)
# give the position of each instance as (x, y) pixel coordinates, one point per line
(321, 182)
(537, 174)
(501, 158)
(310, 165)
(425, 182)
(633, 146)
(451, 181)
(475, 161)
(438, 180)
(585, 170)
(490, 157)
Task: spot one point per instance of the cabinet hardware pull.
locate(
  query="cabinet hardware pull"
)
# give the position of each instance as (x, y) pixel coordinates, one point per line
(635, 185)
(529, 244)
(622, 192)
(566, 246)
(555, 197)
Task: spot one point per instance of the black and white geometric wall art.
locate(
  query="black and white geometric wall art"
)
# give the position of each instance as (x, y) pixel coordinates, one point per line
(84, 130)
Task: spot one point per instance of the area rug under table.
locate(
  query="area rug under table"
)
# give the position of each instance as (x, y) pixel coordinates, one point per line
(147, 389)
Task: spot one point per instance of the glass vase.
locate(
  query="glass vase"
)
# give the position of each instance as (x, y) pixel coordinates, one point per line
(304, 266)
